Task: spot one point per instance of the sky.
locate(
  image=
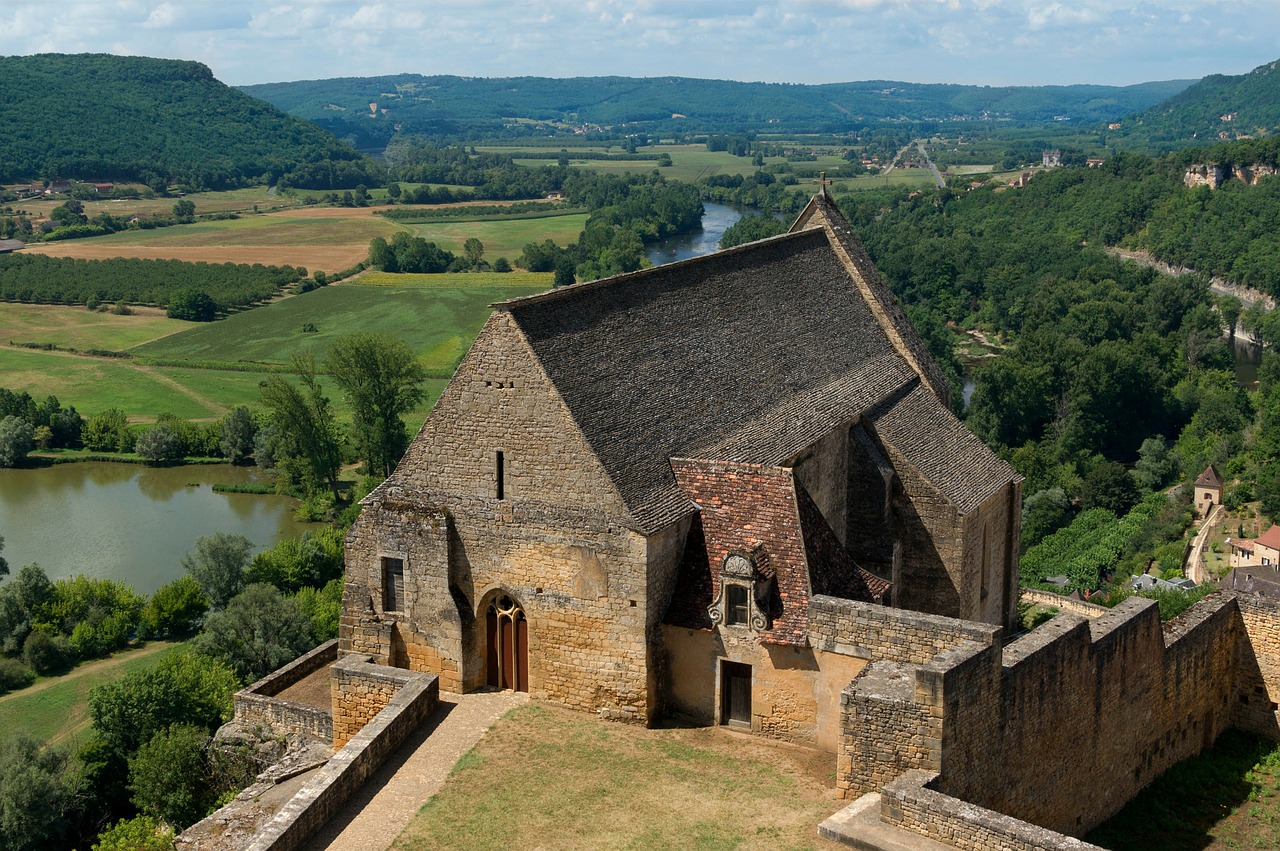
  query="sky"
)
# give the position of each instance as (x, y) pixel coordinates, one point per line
(981, 42)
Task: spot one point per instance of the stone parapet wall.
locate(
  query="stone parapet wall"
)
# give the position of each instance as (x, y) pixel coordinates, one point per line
(910, 803)
(1254, 705)
(1037, 597)
(258, 703)
(351, 766)
(870, 631)
(361, 690)
(886, 732)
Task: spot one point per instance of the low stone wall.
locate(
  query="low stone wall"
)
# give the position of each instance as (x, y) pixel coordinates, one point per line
(361, 690)
(360, 757)
(258, 703)
(1063, 604)
(870, 631)
(909, 803)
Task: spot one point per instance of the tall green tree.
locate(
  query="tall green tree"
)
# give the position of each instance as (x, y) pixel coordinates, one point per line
(383, 381)
(217, 563)
(258, 632)
(16, 437)
(304, 422)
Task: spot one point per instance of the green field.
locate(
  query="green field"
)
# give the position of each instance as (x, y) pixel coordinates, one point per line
(233, 200)
(56, 709)
(275, 229)
(501, 238)
(436, 321)
(82, 329)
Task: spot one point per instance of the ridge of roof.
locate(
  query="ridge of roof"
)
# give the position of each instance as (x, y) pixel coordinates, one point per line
(1270, 538)
(627, 277)
(1210, 478)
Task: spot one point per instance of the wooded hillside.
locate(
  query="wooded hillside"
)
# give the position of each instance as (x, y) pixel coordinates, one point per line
(159, 121)
(1247, 105)
(450, 107)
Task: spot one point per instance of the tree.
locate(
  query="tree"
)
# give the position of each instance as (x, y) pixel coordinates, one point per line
(40, 788)
(108, 432)
(1230, 308)
(1156, 464)
(169, 776)
(1109, 486)
(294, 563)
(45, 653)
(383, 381)
(502, 264)
(474, 251)
(258, 632)
(185, 210)
(174, 608)
(159, 444)
(566, 273)
(141, 833)
(4, 565)
(1044, 513)
(304, 423)
(192, 304)
(218, 564)
(16, 437)
(237, 431)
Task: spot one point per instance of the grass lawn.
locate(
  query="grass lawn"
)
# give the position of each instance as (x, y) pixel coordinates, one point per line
(1228, 797)
(78, 328)
(206, 202)
(447, 280)
(56, 709)
(501, 238)
(550, 778)
(94, 384)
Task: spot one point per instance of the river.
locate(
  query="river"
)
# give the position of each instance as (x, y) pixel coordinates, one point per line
(716, 219)
(127, 521)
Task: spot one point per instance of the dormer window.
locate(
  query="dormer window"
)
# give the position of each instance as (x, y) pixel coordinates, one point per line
(744, 593)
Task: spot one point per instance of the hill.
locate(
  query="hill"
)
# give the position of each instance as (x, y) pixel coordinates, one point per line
(158, 121)
(367, 109)
(1219, 107)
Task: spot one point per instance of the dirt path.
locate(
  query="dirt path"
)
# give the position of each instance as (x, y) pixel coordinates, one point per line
(115, 661)
(376, 814)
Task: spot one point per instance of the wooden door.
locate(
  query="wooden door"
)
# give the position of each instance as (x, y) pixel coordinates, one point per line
(507, 650)
(735, 694)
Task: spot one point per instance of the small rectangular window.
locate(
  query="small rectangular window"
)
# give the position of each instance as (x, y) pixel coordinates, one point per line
(392, 584)
(501, 477)
(735, 605)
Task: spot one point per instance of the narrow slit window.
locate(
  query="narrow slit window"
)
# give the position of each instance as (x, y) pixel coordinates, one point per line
(392, 584)
(501, 465)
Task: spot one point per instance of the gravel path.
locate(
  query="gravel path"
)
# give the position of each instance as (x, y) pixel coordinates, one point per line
(378, 812)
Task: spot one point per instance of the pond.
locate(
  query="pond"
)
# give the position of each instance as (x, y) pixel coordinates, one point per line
(127, 521)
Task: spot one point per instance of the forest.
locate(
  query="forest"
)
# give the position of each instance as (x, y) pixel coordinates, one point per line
(1113, 381)
(159, 122)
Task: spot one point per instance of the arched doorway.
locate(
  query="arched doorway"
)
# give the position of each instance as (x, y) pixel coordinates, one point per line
(507, 631)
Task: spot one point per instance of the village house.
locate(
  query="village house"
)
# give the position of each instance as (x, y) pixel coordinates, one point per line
(1208, 490)
(633, 489)
(1262, 551)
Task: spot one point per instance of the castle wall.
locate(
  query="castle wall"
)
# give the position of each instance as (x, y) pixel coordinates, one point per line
(1063, 726)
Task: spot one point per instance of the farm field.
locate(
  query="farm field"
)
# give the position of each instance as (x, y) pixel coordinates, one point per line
(56, 709)
(232, 200)
(82, 329)
(435, 319)
(330, 239)
(546, 772)
(437, 315)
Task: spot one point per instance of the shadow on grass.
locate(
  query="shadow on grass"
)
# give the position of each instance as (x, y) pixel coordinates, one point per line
(1178, 810)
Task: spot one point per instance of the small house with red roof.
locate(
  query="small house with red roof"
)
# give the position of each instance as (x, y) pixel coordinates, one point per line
(1262, 551)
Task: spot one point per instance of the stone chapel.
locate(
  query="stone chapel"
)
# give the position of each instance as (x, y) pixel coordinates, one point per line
(636, 492)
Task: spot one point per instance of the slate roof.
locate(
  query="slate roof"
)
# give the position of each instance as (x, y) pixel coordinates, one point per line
(751, 353)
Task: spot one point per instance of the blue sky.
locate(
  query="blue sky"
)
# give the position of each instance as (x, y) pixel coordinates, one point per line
(992, 42)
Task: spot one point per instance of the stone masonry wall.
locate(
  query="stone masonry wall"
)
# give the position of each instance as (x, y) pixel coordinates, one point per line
(868, 631)
(361, 690)
(326, 792)
(910, 803)
(1063, 726)
(558, 540)
(1255, 703)
(258, 704)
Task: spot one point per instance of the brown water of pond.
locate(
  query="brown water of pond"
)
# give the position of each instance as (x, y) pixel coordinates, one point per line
(130, 522)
